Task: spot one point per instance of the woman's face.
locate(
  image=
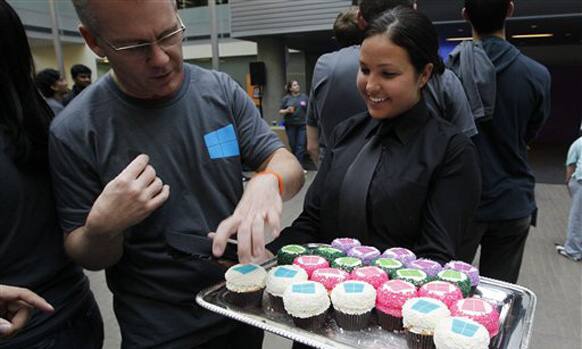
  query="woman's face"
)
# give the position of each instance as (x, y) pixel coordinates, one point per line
(295, 88)
(387, 79)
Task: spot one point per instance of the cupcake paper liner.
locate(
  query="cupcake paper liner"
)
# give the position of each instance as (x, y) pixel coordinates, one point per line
(352, 322)
(419, 341)
(276, 303)
(310, 323)
(245, 299)
(389, 322)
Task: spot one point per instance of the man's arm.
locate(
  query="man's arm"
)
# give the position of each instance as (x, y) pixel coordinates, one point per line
(259, 210)
(570, 169)
(313, 143)
(125, 201)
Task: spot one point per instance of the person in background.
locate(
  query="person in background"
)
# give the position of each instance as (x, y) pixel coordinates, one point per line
(293, 108)
(347, 33)
(394, 175)
(32, 253)
(334, 95)
(572, 248)
(147, 162)
(513, 92)
(53, 87)
(81, 75)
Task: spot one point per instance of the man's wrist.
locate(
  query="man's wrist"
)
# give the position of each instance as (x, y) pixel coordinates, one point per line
(279, 178)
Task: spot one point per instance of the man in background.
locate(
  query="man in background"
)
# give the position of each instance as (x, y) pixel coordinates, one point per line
(81, 75)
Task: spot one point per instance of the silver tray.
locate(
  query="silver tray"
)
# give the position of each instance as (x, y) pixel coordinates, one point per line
(516, 305)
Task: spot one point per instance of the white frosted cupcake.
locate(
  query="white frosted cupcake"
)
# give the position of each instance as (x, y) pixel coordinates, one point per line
(307, 303)
(460, 333)
(277, 281)
(353, 302)
(420, 317)
(245, 283)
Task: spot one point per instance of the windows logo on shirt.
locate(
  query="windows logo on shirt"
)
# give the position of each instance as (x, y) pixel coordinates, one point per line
(222, 143)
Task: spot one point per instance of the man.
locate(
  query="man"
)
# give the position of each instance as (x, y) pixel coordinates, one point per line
(53, 88)
(153, 124)
(81, 75)
(334, 96)
(515, 102)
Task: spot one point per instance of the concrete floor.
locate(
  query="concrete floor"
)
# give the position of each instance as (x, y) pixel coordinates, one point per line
(556, 280)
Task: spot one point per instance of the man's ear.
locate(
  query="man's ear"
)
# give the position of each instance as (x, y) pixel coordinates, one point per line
(510, 9)
(465, 15)
(362, 23)
(91, 41)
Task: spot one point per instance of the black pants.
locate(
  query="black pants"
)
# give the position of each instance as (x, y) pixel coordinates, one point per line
(502, 244)
(244, 336)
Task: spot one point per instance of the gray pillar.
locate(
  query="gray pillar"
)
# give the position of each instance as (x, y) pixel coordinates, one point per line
(310, 60)
(274, 53)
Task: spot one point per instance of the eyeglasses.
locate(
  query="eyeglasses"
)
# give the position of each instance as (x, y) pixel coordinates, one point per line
(143, 49)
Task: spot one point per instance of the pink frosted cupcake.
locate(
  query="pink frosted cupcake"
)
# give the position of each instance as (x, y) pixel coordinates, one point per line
(372, 275)
(430, 267)
(345, 244)
(390, 298)
(480, 311)
(445, 292)
(329, 277)
(367, 254)
(311, 263)
(402, 254)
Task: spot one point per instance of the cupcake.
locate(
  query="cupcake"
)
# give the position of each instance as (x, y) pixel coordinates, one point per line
(347, 263)
(458, 332)
(312, 246)
(329, 277)
(414, 276)
(366, 254)
(389, 265)
(445, 292)
(288, 253)
(345, 244)
(420, 317)
(353, 302)
(390, 298)
(311, 263)
(245, 283)
(402, 254)
(458, 278)
(372, 275)
(307, 303)
(277, 281)
(430, 267)
(480, 311)
(468, 269)
(329, 253)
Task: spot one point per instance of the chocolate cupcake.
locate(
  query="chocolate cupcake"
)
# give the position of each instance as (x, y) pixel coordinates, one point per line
(414, 276)
(460, 332)
(277, 281)
(288, 253)
(245, 283)
(389, 265)
(420, 317)
(307, 303)
(458, 278)
(372, 275)
(445, 292)
(390, 298)
(329, 277)
(329, 253)
(311, 263)
(353, 302)
(347, 263)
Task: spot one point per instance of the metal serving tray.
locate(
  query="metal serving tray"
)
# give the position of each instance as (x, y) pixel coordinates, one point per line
(516, 305)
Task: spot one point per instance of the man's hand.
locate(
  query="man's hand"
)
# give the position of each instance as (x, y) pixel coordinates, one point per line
(15, 306)
(258, 212)
(128, 199)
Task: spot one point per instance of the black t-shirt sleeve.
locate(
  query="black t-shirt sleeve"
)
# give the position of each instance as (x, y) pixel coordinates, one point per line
(75, 183)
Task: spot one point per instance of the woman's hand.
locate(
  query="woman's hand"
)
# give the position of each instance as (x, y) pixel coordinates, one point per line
(16, 305)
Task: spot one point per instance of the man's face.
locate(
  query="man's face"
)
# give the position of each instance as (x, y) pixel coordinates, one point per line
(154, 72)
(82, 80)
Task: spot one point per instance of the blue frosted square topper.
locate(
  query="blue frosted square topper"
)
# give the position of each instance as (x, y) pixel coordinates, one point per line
(222, 143)
(464, 328)
(352, 287)
(285, 272)
(424, 307)
(245, 269)
(304, 288)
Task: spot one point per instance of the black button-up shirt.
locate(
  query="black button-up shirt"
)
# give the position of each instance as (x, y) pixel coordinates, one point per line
(423, 194)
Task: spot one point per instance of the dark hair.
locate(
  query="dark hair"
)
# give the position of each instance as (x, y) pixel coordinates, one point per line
(412, 31)
(288, 85)
(345, 28)
(24, 115)
(79, 69)
(45, 79)
(371, 9)
(487, 16)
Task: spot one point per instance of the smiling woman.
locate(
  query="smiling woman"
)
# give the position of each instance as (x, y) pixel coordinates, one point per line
(395, 175)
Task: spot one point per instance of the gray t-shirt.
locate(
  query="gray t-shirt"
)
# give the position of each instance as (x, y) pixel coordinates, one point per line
(197, 142)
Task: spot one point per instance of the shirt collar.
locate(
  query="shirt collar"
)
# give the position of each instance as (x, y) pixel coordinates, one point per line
(404, 126)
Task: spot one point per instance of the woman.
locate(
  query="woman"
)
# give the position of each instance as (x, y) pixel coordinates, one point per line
(395, 175)
(293, 108)
(32, 255)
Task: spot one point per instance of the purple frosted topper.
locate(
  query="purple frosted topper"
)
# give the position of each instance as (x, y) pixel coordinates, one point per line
(345, 244)
(366, 253)
(431, 268)
(402, 254)
(471, 271)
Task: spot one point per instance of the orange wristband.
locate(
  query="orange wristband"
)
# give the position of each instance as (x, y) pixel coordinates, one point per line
(279, 178)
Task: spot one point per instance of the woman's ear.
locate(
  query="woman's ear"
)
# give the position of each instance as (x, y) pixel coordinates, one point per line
(425, 75)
